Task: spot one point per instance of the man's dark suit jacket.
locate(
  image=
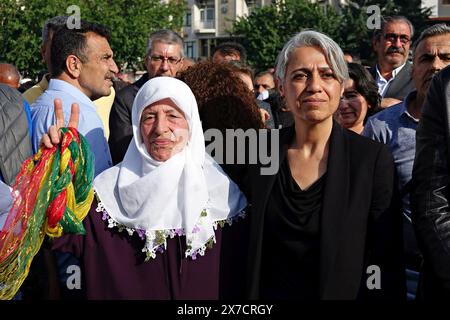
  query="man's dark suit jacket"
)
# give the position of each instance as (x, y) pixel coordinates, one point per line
(430, 194)
(120, 127)
(401, 85)
(361, 222)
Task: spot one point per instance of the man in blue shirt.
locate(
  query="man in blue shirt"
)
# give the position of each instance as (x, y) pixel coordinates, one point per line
(82, 71)
(396, 127)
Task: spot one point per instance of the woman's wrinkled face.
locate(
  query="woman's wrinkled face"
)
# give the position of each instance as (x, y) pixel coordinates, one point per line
(164, 129)
(310, 86)
(353, 107)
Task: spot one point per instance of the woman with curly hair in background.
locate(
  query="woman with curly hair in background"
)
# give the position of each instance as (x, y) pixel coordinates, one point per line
(224, 100)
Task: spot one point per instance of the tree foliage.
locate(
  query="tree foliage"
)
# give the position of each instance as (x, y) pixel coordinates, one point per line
(266, 29)
(130, 22)
(356, 34)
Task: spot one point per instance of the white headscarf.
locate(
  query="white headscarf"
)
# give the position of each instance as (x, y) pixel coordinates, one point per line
(187, 194)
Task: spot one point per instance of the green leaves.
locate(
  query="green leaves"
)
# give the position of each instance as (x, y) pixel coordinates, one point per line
(266, 29)
(263, 32)
(130, 22)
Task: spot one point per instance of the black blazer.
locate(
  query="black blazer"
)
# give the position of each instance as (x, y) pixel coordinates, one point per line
(361, 222)
(430, 199)
(401, 85)
(120, 127)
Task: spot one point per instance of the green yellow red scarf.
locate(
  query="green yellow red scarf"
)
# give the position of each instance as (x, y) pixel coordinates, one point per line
(52, 195)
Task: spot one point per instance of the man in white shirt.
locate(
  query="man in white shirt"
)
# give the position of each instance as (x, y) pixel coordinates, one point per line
(393, 70)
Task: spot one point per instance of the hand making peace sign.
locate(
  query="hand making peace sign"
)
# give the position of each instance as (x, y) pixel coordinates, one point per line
(53, 137)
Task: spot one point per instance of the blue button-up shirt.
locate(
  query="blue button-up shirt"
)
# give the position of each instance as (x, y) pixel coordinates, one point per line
(395, 127)
(90, 125)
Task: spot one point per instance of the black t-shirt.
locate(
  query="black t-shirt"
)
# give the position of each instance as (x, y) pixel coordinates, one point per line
(290, 268)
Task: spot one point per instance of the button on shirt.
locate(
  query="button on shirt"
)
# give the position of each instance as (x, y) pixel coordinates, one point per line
(90, 125)
(395, 127)
(382, 83)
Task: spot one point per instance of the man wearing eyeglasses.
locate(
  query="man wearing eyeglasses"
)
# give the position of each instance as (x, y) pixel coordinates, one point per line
(393, 70)
(164, 58)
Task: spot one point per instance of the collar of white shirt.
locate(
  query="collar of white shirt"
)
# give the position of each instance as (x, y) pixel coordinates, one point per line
(394, 72)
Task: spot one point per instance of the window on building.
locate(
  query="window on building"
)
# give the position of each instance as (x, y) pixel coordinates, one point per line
(189, 49)
(445, 1)
(207, 14)
(224, 6)
(207, 17)
(251, 5)
(210, 14)
(188, 19)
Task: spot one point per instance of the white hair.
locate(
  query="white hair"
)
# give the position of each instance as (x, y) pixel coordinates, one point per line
(311, 38)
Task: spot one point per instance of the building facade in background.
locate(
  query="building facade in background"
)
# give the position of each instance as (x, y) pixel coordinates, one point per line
(208, 22)
(440, 10)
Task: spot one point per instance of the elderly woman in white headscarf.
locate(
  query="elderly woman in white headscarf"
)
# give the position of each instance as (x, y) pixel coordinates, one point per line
(152, 233)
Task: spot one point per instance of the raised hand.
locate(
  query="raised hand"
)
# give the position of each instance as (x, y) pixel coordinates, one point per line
(53, 137)
(265, 116)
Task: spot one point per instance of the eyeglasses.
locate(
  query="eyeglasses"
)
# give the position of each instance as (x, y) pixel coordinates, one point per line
(392, 37)
(170, 60)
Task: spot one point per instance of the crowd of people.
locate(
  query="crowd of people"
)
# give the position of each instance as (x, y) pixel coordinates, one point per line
(354, 211)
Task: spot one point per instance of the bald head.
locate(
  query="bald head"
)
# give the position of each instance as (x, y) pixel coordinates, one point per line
(9, 75)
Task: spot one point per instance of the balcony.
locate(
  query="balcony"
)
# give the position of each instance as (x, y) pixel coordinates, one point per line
(208, 24)
(205, 27)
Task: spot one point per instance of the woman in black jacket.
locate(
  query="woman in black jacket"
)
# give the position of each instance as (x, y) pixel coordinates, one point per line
(325, 225)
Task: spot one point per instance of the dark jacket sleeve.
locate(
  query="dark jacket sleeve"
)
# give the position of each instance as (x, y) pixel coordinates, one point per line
(430, 182)
(385, 234)
(121, 130)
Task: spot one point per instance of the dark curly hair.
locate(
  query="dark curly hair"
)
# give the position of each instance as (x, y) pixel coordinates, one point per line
(67, 42)
(228, 48)
(224, 101)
